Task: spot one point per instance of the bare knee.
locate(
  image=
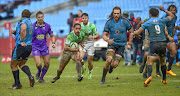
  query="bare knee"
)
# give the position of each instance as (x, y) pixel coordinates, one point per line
(38, 64)
(115, 64)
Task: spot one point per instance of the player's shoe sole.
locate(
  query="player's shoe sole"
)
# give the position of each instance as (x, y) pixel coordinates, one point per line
(164, 81)
(146, 83)
(170, 73)
(31, 81)
(16, 86)
(54, 79)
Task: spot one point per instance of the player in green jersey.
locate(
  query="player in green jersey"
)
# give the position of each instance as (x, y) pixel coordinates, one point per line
(71, 53)
(89, 30)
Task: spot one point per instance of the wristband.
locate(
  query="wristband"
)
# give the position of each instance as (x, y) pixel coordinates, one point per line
(21, 41)
(53, 42)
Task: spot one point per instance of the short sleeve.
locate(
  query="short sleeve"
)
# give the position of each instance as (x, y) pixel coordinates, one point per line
(50, 31)
(106, 27)
(144, 26)
(94, 29)
(165, 19)
(68, 40)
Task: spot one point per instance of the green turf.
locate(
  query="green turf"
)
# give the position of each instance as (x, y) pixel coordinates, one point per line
(124, 81)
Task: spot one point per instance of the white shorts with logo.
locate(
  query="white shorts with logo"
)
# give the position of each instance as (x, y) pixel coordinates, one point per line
(88, 48)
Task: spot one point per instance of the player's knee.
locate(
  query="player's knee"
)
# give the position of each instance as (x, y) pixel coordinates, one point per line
(115, 64)
(174, 53)
(47, 64)
(109, 60)
(38, 64)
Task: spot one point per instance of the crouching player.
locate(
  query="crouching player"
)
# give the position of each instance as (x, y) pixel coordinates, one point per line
(71, 53)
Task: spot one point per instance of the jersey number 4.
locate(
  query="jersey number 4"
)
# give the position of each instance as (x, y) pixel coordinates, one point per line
(157, 28)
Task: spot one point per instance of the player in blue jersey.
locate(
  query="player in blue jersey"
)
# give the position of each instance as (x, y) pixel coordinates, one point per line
(22, 50)
(117, 27)
(157, 38)
(171, 46)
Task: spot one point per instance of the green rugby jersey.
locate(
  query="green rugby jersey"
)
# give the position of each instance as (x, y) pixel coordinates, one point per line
(89, 29)
(73, 38)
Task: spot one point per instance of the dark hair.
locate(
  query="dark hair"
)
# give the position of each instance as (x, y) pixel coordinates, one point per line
(173, 6)
(80, 11)
(39, 12)
(85, 14)
(26, 13)
(77, 24)
(154, 12)
(111, 15)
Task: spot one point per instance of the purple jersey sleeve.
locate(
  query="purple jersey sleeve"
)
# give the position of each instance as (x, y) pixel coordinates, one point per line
(50, 31)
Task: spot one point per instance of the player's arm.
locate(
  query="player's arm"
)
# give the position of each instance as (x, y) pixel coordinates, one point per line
(170, 15)
(53, 40)
(139, 25)
(105, 37)
(67, 48)
(177, 27)
(131, 36)
(168, 36)
(137, 32)
(23, 34)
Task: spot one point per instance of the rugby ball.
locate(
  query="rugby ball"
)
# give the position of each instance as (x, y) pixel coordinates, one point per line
(73, 45)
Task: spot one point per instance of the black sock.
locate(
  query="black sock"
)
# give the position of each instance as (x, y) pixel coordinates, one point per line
(104, 74)
(177, 58)
(168, 56)
(26, 70)
(149, 70)
(145, 69)
(59, 73)
(171, 59)
(157, 65)
(163, 69)
(16, 77)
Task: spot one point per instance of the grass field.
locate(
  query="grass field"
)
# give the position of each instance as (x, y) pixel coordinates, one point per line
(124, 81)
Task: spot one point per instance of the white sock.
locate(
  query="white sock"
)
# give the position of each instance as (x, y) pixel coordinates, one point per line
(90, 71)
(83, 66)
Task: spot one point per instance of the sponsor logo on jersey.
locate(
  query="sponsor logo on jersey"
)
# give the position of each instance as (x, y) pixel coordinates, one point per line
(117, 31)
(41, 36)
(154, 20)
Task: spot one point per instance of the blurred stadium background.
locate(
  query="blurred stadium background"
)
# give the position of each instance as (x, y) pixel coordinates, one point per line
(58, 11)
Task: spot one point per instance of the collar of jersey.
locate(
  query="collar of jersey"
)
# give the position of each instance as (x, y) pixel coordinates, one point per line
(37, 25)
(75, 34)
(86, 25)
(118, 21)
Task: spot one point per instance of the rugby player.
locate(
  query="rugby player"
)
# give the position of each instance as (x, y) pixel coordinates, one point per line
(117, 26)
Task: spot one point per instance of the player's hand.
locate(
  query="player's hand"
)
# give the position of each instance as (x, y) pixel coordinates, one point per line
(23, 44)
(82, 45)
(137, 35)
(161, 8)
(12, 31)
(90, 37)
(110, 41)
(128, 46)
(77, 49)
(171, 39)
(53, 45)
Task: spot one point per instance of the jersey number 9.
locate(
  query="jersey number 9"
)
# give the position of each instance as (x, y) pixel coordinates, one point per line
(157, 28)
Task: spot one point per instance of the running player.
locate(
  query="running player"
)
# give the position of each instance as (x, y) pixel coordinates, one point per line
(22, 50)
(89, 29)
(71, 53)
(39, 45)
(171, 46)
(117, 26)
(157, 38)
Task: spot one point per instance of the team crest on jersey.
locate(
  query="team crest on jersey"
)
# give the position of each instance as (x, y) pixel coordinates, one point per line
(154, 20)
(117, 31)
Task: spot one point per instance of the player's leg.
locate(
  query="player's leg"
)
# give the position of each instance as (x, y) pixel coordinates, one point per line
(163, 69)
(140, 53)
(109, 56)
(177, 58)
(150, 61)
(90, 55)
(135, 47)
(117, 58)
(15, 71)
(26, 70)
(173, 50)
(76, 57)
(144, 61)
(158, 74)
(36, 54)
(37, 59)
(125, 57)
(65, 57)
(82, 53)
